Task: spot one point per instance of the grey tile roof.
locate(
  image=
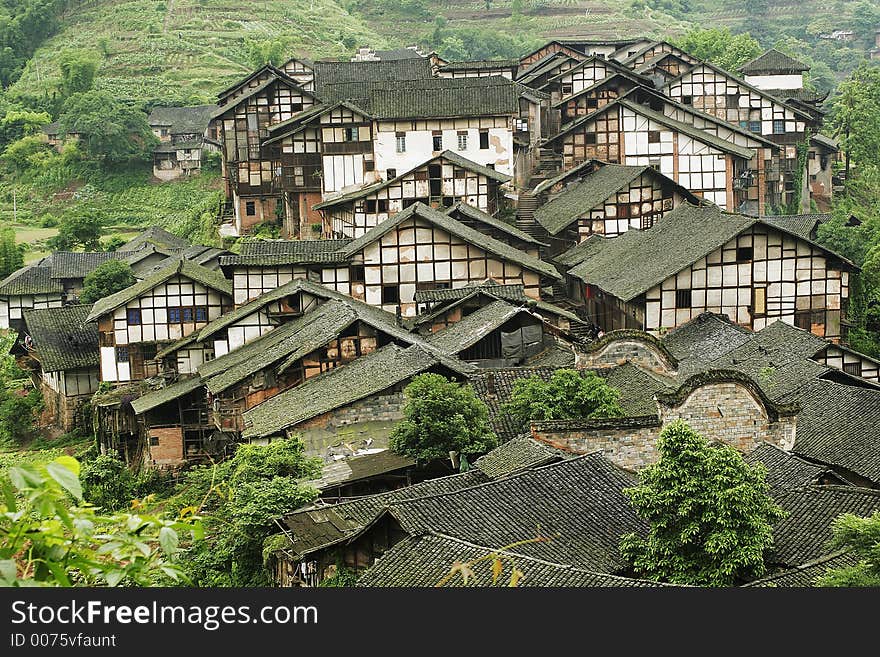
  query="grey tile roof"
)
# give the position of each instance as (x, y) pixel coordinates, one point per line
(806, 574)
(286, 252)
(471, 215)
(368, 375)
(481, 65)
(358, 467)
(327, 73)
(578, 503)
(637, 388)
(474, 327)
(828, 142)
(30, 280)
(156, 398)
(450, 156)
(511, 292)
(610, 64)
(182, 120)
(838, 425)
(206, 277)
(805, 533)
(458, 229)
(63, 339)
(426, 560)
(517, 454)
(802, 225)
(78, 264)
(542, 66)
(278, 77)
(703, 340)
(771, 62)
(685, 235)
(785, 470)
(289, 342)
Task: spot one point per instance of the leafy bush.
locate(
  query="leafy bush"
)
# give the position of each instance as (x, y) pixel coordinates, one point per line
(107, 278)
(862, 537)
(441, 416)
(568, 394)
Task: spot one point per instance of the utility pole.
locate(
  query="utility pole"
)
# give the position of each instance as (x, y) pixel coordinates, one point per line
(14, 207)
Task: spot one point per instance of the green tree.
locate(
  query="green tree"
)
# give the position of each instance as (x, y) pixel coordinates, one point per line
(113, 243)
(720, 46)
(855, 115)
(18, 123)
(107, 278)
(78, 71)
(862, 537)
(441, 416)
(22, 154)
(50, 537)
(264, 51)
(78, 229)
(709, 513)
(11, 254)
(568, 394)
(240, 499)
(111, 131)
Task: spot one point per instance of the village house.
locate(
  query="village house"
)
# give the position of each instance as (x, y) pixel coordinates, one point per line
(184, 137)
(30, 287)
(61, 352)
(701, 259)
(167, 305)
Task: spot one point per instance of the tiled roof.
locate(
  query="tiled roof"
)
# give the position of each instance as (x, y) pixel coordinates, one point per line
(182, 120)
(828, 142)
(474, 327)
(637, 388)
(458, 229)
(611, 65)
(772, 62)
(426, 560)
(29, 280)
(839, 426)
(806, 574)
(785, 470)
(703, 340)
(805, 533)
(471, 215)
(63, 339)
(286, 252)
(685, 235)
(365, 376)
(278, 77)
(577, 503)
(577, 200)
(156, 398)
(77, 264)
(802, 225)
(494, 387)
(450, 156)
(358, 467)
(542, 66)
(328, 74)
(512, 292)
(518, 454)
(289, 342)
(481, 65)
(206, 277)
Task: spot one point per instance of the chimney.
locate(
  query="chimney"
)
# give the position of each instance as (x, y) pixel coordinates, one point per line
(453, 457)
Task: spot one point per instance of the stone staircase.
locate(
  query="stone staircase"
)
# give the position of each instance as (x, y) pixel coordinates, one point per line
(525, 214)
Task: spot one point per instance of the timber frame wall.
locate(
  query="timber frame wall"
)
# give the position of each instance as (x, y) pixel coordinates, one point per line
(12, 306)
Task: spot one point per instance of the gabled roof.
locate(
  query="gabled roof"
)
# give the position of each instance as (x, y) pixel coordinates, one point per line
(182, 120)
(654, 44)
(481, 65)
(456, 228)
(30, 280)
(806, 574)
(206, 277)
(637, 388)
(281, 78)
(516, 454)
(475, 214)
(301, 120)
(156, 236)
(450, 156)
(685, 235)
(785, 470)
(611, 64)
(703, 340)
(828, 142)
(593, 87)
(328, 73)
(474, 327)
(427, 559)
(358, 468)
(802, 225)
(286, 252)
(595, 188)
(773, 62)
(275, 71)
(648, 65)
(511, 292)
(156, 398)
(62, 337)
(544, 65)
(79, 264)
(365, 376)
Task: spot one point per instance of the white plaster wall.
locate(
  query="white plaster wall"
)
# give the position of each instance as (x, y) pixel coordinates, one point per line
(792, 81)
(420, 148)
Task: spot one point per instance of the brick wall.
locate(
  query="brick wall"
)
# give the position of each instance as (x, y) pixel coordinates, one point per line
(628, 442)
(620, 351)
(169, 451)
(60, 410)
(372, 417)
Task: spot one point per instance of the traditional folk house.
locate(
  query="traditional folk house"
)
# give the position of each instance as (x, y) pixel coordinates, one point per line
(62, 354)
(584, 75)
(166, 306)
(714, 91)
(700, 259)
(29, 287)
(245, 112)
(625, 132)
(506, 68)
(548, 50)
(442, 182)
(652, 51)
(605, 199)
(184, 138)
(824, 152)
(590, 98)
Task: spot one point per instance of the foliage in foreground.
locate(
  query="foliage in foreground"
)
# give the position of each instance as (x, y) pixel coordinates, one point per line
(50, 537)
(710, 514)
(441, 416)
(862, 536)
(568, 394)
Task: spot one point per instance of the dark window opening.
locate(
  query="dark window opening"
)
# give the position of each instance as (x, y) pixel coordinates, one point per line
(745, 253)
(778, 127)
(250, 208)
(382, 205)
(687, 100)
(852, 368)
(592, 103)
(567, 89)
(683, 298)
(653, 136)
(437, 141)
(484, 139)
(121, 354)
(133, 316)
(390, 173)
(590, 138)
(390, 294)
(154, 441)
(356, 273)
(732, 101)
(370, 207)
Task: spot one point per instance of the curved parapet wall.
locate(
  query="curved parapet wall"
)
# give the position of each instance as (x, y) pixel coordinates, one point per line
(618, 347)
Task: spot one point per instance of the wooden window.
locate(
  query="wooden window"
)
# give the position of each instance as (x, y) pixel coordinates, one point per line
(390, 294)
(350, 134)
(623, 210)
(802, 319)
(683, 298)
(369, 165)
(778, 127)
(154, 441)
(356, 273)
(852, 368)
(687, 100)
(732, 101)
(250, 208)
(121, 354)
(759, 301)
(174, 315)
(462, 140)
(745, 254)
(437, 139)
(567, 89)
(186, 314)
(149, 350)
(133, 316)
(400, 142)
(382, 205)
(755, 126)
(647, 221)
(653, 136)
(591, 103)
(390, 173)
(370, 206)
(590, 138)
(654, 163)
(484, 139)
(201, 313)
